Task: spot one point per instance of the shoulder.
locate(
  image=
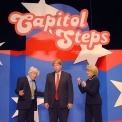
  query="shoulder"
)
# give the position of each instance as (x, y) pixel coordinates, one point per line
(96, 79)
(50, 74)
(65, 73)
(22, 78)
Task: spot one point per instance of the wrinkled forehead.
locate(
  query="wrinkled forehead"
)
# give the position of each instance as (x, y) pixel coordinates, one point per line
(34, 72)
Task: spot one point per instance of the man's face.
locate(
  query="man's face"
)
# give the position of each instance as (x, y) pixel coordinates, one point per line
(33, 75)
(57, 67)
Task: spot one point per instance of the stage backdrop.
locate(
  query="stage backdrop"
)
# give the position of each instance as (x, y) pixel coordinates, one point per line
(35, 33)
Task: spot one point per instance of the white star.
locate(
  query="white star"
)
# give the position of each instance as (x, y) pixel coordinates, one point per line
(40, 9)
(36, 115)
(91, 55)
(118, 85)
(16, 112)
(1, 63)
(1, 43)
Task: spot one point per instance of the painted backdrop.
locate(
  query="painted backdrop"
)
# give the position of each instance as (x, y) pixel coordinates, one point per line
(36, 33)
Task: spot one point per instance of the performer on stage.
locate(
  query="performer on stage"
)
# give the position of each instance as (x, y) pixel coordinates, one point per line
(93, 99)
(58, 97)
(26, 90)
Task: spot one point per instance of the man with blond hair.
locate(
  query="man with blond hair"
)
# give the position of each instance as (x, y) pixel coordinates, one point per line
(58, 97)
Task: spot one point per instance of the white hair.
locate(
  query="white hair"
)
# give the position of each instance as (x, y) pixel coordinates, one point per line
(33, 69)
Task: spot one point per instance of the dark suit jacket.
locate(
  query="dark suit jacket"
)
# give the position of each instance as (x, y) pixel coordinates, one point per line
(25, 101)
(65, 89)
(92, 91)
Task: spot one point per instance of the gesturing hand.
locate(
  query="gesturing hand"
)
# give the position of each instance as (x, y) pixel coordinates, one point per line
(79, 80)
(21, 92)
(83, 84)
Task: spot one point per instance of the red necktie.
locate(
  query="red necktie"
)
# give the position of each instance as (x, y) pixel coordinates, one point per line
(56, 86)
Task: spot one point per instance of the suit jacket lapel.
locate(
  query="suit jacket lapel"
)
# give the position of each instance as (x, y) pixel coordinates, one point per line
(53, 79)
(27, 82)
(61, 78)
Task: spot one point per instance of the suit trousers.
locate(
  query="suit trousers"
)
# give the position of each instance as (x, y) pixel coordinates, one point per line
(57, 113)
(26, 115)
(93, 113)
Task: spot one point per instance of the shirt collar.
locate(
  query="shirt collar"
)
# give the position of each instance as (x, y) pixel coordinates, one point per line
(58, 73)
(29, 79)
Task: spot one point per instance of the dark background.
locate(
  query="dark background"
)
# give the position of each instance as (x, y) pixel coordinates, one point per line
(103, 15)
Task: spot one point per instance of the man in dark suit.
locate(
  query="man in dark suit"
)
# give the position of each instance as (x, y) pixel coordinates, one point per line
(58, 96)
(26, 90)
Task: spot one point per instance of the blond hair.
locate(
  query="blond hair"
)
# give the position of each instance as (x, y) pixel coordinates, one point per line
(92, 68)
(57, 61)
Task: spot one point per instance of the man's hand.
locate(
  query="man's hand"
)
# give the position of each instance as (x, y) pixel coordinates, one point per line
(21, 92)
(46, 105)
(69, 105)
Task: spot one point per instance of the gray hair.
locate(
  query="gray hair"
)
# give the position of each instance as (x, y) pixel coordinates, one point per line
(33, 69)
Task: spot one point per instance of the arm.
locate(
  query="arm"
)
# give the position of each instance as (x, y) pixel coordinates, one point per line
(94, 90)
(70, 92)
(46, 94)
(46, 91)
(19, 87)
(80, 86)
(40, 94)
(82, 89)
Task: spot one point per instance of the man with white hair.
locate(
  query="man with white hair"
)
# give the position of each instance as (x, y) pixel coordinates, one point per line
(26, 90)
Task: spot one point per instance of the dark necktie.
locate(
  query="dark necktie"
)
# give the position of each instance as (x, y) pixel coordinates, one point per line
(56, 86)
